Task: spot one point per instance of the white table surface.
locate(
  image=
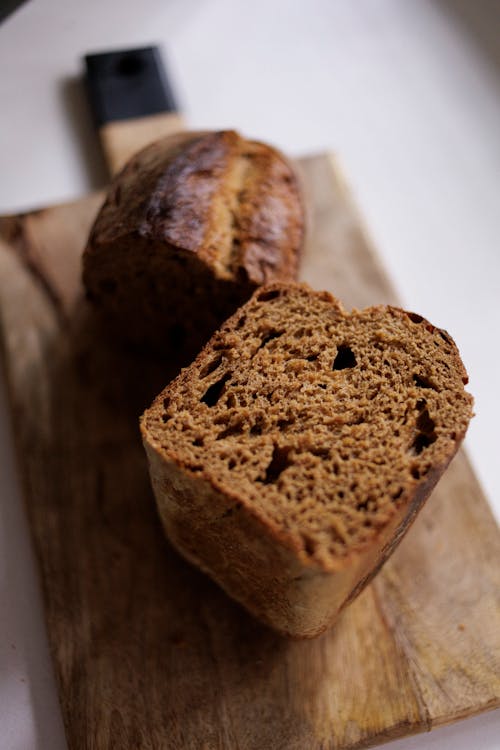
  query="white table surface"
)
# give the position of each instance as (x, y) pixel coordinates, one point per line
(406, 92)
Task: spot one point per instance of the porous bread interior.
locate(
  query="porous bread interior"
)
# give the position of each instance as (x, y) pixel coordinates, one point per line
(321, 422)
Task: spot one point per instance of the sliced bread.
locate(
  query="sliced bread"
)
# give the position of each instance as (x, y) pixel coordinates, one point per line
(289, 459)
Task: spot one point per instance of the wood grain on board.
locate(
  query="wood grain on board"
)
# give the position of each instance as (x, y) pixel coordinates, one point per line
(148, 652)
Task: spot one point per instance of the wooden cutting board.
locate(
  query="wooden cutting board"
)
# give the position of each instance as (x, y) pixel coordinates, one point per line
(148, 652)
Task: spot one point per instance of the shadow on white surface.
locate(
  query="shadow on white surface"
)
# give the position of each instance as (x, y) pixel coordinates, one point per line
(77, 108)
(479, 733)
(30, 718)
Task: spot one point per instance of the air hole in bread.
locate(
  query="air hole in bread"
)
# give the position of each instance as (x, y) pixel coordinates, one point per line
(210, 367)
(414, 317)
(425, 423)
(369, 504)
(256, 429)
(356, 420)
(217, 346)
(237, 428)
(321, 452)
(345, 358)
(422, 381)
(270, 335)
(426, 434)
(279, 462)
(444, 336)
(422, 441)
(165, 416)
(266, 296)
(309, 545)
(312, 357)
(214, 392)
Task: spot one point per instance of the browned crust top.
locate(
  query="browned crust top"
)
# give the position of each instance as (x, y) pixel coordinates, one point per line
(235, 203)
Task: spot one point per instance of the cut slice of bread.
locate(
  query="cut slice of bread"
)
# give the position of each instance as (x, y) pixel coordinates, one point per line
(291, 457)
(191, 226)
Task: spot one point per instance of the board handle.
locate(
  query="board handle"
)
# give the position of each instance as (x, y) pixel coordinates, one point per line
(132, 101)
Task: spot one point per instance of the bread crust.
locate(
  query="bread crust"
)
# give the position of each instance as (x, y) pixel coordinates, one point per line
(252, 562)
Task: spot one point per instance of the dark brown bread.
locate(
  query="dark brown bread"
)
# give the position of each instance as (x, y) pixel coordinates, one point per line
(290, 458)
(190, 227)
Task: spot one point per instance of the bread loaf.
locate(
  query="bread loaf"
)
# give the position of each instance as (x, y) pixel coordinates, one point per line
(190, 227)
(291, 457)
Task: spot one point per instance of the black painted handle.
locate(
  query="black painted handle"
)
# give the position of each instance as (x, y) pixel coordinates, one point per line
(127, 84)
